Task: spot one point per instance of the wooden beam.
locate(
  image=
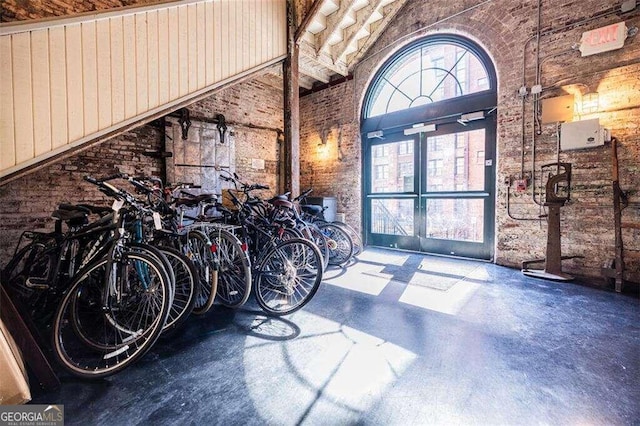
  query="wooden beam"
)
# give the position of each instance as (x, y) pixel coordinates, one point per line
(333, 22)
(322, 59)
(311, 71)
(313, 11)
(291, 97)
(349, 34)
(388, 13)
(304, 82)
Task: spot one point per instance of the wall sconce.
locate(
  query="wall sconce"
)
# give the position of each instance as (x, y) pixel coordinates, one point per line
(590, 102)
(323, 147)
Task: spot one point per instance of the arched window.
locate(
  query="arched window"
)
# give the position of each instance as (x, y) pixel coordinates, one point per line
(428, 144)
(427, 72)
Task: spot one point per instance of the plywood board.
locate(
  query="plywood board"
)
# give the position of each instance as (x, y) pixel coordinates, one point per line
(183, 50)
(163, 57)
(130, 70)
(142, 83)
(103, 56)
(152, 58)
(117, 70)
(58, 78)
(41, 92)
(89, 77)
(23, 101)
(7, 139)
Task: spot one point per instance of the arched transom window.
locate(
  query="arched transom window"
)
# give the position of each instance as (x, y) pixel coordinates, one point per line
(427, 73)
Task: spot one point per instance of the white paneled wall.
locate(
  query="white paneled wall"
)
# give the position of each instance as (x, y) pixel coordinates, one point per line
(69, 81)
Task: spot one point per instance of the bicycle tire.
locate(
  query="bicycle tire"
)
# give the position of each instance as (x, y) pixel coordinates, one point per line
(358, 246)
(234, 274)
(167, 275)
(185, 286)
(312, 232)
(288, 276)
(199, 251)
(124, 341)
(157, 253)
(340, 244)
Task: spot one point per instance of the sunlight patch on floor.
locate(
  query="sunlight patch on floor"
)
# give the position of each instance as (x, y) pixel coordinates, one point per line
(337, 371)
(447, 302)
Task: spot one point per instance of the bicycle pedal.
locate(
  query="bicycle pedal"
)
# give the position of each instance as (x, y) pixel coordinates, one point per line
(37, 283)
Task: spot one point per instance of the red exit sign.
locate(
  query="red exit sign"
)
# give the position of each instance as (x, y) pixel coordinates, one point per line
(603, 39)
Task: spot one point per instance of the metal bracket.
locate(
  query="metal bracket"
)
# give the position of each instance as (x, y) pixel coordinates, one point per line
(222, 126)
(185, 122)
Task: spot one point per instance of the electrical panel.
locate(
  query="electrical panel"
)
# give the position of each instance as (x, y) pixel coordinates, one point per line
(582, 134)
(558, 109)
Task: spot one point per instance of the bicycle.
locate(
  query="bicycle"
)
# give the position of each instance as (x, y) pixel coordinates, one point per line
(104, 303)
(286, 273)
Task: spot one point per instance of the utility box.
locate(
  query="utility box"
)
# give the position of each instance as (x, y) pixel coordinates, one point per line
(582, 134)
(331, 204)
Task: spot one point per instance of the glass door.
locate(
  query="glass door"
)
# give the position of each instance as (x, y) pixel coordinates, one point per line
(456, 206)
(433, 192)
(392, 191)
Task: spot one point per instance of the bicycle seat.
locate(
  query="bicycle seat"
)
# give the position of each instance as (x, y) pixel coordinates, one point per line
(99, 210)
(72, 217)
(279, 197)
(191, 202)
(74, 207)
(312, 209)
(278, 202)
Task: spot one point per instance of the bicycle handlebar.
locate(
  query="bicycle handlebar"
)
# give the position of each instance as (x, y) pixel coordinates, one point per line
(303, 195)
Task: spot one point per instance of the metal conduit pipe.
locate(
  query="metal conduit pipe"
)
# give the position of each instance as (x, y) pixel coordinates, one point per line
(536, 125)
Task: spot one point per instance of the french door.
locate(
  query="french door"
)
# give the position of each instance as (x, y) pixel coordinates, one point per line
(433, 191)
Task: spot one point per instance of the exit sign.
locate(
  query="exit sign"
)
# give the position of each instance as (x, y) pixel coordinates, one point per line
(603, 39)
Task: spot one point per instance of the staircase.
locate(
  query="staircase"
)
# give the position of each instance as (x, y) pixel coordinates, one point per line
(69, 82)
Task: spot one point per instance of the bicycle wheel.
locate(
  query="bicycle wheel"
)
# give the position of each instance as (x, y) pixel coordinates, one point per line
(83, 329)
(199, 251)
(234, 270)
(288, 276)
(355, 237)
(339, 242)
(185, 285)
(122, 317)
(159, 255)
(313, 233)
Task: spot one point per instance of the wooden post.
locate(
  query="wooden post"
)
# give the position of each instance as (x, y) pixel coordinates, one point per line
(291, 107)
(617, 217)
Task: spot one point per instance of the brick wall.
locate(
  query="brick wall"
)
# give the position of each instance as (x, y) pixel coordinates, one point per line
(20, 10)
(587, 221)
(27, 203)
(253, 110)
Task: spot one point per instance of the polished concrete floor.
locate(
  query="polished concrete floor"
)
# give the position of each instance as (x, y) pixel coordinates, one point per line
(396, 338)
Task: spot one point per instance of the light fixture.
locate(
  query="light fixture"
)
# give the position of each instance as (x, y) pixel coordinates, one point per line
(590, 102)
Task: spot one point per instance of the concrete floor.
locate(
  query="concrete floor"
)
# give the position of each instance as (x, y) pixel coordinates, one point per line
(396, 338)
